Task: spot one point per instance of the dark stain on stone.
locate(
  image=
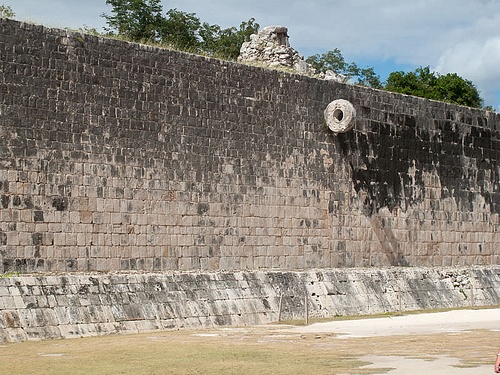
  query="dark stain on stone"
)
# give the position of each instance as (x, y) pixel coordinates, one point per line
(203, 208)
(388, 163)
(60, 203)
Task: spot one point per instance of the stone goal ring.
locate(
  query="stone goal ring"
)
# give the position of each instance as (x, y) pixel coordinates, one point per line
(340, 116)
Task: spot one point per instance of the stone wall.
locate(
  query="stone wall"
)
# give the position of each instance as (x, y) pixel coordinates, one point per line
(119, 156)
(70, 306)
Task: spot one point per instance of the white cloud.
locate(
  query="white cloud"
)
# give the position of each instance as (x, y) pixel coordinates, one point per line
(476, 60)
(474, 53)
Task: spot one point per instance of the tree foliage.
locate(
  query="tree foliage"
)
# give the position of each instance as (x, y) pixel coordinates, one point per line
(335, 62)
(226, 43)
(422, 82)
(180, 29)
(143, 21)
(136, 20)
(425, 83)
(6, 12)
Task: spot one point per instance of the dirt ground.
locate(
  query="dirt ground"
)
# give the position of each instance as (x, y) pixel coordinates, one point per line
(456, 342)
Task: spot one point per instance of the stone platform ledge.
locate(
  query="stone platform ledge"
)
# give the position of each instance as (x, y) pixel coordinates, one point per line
(57, 305)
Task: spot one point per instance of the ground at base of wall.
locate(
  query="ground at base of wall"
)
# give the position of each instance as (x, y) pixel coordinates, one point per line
(435, 343)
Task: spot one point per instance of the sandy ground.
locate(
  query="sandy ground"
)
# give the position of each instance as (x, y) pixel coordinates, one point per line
(439, 366)
(421, 324)
(462, 342)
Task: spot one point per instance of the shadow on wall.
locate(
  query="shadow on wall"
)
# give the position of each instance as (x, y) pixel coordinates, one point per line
(390, 159)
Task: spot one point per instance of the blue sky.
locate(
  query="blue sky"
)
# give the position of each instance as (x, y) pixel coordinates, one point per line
(450, 36)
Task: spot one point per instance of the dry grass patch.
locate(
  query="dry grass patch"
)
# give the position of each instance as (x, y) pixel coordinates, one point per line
(255, 350)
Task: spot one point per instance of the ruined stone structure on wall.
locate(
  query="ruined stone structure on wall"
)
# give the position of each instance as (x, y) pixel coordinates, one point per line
(271, 47)
(119, 156)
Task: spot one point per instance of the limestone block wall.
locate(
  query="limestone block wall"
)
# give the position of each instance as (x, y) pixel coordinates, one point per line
(120, 156)
(77, 305)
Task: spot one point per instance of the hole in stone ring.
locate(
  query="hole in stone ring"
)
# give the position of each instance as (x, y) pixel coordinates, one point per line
(338, 114)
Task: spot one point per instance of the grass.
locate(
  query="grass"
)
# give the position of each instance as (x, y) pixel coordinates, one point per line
(272, 349)
(170, 353)
(9, 274)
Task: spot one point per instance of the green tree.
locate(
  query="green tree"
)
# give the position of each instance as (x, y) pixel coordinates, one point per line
(334, 61)
(417, 83)
(226, 43)
(331, 60)
(425, 83)
(137, 20)
(247, 29)
(368, 77)
(454, 89)
(143, 21)
(6, 12)
(180, 29)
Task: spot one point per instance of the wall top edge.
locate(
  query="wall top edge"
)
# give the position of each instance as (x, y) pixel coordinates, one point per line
(5, 23)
